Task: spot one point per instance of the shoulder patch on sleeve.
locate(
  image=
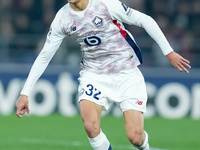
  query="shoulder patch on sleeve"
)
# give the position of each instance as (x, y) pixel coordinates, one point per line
(126, 9)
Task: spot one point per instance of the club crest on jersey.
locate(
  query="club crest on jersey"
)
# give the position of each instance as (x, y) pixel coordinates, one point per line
(98, 22)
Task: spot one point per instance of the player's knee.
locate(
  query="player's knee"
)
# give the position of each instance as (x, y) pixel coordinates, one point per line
(136, 137)
(92, 128)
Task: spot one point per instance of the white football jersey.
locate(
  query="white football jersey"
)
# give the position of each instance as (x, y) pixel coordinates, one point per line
(106, 46)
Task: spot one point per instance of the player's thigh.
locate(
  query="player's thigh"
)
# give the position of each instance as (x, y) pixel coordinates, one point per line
(90, 111)
(134, 122)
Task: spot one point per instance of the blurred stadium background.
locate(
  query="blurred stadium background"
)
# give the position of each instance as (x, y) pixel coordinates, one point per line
(174, 97)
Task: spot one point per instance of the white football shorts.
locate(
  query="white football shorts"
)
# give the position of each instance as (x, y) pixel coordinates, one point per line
(127, 89)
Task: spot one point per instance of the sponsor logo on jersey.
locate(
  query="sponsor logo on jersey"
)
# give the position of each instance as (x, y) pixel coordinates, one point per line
(98, 22)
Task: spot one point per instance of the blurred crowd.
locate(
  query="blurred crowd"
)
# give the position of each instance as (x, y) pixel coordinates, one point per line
(25, 23)
(22, 25)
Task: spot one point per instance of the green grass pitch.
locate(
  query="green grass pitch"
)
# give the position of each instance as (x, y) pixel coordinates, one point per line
(56, 132)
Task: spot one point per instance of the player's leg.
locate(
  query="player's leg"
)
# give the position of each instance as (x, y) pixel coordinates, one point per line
(134, 123)
(91, 115)
(132, 91)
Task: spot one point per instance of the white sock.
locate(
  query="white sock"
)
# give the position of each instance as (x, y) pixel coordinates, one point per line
(100, 142)
(145, 145)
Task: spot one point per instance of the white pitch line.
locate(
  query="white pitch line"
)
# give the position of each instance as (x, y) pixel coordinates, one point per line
(74, 143)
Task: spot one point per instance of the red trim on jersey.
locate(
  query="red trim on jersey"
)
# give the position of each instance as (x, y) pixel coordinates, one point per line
(130, 41)
(123, 32)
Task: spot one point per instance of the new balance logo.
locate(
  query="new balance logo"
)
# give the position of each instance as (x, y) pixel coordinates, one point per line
(139, 102)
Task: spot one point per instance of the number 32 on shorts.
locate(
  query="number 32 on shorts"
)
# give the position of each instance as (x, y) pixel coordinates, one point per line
(91, 91)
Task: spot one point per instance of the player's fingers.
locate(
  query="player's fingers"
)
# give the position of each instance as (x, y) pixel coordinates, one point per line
(178, 67)
(28, 110)
(185, 60)
(19, 114)
(182, 68)
(23, 112)
(20, 111)
(186, 63)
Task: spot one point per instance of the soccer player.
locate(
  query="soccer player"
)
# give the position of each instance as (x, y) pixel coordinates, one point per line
(109, 63)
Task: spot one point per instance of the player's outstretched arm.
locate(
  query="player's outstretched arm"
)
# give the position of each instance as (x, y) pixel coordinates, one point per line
(178, 61)
(22, 106)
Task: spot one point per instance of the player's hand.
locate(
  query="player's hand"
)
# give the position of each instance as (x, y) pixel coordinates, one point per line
(178, 61)
(22, 106)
